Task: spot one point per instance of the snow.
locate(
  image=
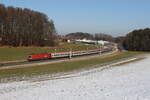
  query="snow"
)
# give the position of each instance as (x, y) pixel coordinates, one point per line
(126, 82)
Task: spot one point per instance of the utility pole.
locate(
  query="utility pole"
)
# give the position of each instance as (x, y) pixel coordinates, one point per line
(100, 50)
(70, 55)
(55, 50)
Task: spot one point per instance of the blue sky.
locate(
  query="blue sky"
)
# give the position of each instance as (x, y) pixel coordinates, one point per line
(116, 17)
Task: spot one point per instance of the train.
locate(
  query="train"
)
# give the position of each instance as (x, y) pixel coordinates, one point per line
(44, 56)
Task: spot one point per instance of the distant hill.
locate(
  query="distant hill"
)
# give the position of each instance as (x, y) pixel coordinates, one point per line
(79, 35)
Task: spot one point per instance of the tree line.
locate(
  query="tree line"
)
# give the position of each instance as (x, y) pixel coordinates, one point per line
(79, 35)
(96, 36)
(137, 40)
(25, 27)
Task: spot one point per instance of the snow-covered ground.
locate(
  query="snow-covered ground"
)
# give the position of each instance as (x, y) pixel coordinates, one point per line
(127, 82)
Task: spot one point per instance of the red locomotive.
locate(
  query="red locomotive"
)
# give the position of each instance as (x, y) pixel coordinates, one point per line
(38, 57)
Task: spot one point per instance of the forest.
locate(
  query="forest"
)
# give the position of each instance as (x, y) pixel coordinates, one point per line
(137, 40)
(25, 27)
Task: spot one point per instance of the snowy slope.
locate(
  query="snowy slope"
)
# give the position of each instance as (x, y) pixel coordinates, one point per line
(127, 82)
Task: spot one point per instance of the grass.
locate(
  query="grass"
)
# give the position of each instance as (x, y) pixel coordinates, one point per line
(64, 66)
(130, 61)
(21, 53)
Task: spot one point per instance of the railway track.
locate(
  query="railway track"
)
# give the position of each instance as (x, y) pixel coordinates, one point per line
(27, 62)
(48, 61)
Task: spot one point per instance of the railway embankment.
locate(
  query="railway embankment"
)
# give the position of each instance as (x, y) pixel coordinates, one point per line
(71, 55)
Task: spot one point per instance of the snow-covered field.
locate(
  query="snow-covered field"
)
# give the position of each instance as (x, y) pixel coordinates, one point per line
(127, 82)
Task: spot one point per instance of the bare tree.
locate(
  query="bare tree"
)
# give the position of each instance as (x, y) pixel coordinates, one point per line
(24, 27)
